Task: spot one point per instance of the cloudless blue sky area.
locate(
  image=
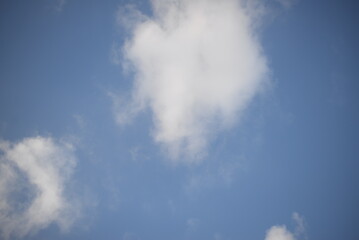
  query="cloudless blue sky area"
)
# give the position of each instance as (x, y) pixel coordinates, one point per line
(294, 149)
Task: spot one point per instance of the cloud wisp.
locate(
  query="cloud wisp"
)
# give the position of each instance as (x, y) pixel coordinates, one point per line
(196, 64)
(33, 177)
(60, 5)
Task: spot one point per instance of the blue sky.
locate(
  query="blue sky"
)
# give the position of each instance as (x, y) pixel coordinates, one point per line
(179, 120)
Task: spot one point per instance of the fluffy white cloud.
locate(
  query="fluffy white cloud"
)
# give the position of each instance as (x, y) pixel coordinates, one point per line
(33, 177)
(279, 233)
(197, 64)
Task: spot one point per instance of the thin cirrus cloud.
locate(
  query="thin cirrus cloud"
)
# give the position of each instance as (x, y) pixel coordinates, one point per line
(196, 64)
(33, 177)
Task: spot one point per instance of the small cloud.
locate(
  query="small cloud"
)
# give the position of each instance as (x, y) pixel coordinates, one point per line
(34, 174)
(280, 232)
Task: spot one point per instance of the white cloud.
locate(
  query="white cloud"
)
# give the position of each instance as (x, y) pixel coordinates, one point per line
(197, 64)
(33, 177)
(280, 232)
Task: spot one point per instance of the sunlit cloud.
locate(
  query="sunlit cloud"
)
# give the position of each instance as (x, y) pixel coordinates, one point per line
(197, 65)
(34, 174)
(280, 232)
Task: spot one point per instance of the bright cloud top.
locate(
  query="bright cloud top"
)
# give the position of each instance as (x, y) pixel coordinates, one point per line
(280, 232)
(197, 65)
(33, 177)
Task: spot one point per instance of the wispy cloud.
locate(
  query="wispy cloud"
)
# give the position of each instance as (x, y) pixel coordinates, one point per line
(197, 64)
(33, 177)
(60, 5)
(300, 225)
